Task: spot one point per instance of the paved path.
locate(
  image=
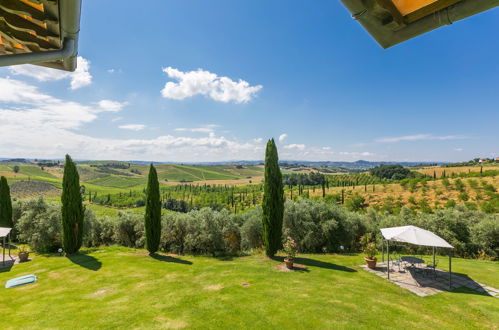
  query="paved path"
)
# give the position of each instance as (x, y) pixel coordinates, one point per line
(429, 285)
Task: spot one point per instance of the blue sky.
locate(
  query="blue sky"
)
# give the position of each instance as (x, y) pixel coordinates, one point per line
(213, 80)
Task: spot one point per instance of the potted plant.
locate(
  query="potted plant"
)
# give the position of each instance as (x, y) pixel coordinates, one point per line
(290, 249)
(23, 253)
(370, 250)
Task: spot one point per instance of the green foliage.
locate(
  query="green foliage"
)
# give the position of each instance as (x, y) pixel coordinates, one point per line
(392, 172)
(5, 204)
(450, 203)
(152, 218)
(315, 227)
(290, 248)
(487, 233)
(492, 205)
(39, 224)
(15, 169)
(72, 208)
(204, 231)
(371, 250)
(356, 203)
(251, 230)
(459, 185)
(273, 201)
(463, 196)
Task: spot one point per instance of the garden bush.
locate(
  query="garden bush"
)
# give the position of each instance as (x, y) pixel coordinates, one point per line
(315, 226)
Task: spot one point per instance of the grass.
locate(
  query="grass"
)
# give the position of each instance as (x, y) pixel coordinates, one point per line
(115, 181)
(119, 287)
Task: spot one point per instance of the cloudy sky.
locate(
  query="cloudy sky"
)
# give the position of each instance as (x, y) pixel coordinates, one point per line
(214, 80)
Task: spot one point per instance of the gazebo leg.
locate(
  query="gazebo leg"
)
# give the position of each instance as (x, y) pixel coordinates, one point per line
(388, 258)
(382, 251)
(450, 269)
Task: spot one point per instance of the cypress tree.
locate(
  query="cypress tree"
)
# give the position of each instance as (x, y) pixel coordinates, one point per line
(152, 219)
(273, 201)
(5, 204)
(72, 208)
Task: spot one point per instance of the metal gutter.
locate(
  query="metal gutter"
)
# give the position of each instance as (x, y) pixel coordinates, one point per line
(68, 50)
(64, 58)
(387, 37)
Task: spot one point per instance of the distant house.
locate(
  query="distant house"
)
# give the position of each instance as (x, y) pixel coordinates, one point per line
(482, 160)
(497, 159)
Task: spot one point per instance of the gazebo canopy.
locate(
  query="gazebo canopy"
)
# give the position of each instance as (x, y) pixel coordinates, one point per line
(4, 231)
(414, 235)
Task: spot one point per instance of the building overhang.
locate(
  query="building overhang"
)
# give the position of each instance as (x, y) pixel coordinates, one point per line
(391, 22)
(41, 32)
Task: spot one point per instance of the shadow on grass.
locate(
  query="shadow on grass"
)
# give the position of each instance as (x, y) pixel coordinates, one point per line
(85, 261)
(323, 264)
(7, 267)
(171, 259)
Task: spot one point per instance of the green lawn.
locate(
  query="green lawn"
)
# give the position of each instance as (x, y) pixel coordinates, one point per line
(124, 288)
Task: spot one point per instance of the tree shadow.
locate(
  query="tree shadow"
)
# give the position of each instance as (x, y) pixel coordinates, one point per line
(7, 267)
(85, 261)
(323, 264)
(167, 258)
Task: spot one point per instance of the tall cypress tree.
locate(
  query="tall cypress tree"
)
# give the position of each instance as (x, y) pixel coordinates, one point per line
(153, 212)
(273, 201)
(72, 208)
(5, 204)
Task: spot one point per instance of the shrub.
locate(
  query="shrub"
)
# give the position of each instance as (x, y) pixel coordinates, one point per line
(463, 196)
(486, 235)
(129, 230)
(290, 248)
(356, 203)
(40, 225)
(459, 185)
(251, 230)
(393, 172)
(450, 203)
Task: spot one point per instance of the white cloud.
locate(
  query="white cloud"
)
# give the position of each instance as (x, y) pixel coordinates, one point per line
(79, 78)
(38, 125)
(258, 140)
(113, 106)
(283, 137)
(295, 146)
(201, 82)
(133, 127)
(110, 70)
(418, 137)
(203, 129)
(458, 149)
(116, 119)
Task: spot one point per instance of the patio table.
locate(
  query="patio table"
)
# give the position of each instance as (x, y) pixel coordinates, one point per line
(412, 260)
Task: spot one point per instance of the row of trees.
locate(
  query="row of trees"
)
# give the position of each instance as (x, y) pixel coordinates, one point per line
(73, 211)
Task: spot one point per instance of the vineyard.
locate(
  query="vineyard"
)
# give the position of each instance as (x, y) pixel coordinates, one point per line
(119, 185)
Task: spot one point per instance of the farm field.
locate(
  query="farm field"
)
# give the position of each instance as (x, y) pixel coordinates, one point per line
(435, 193)
(120, 186)
(127, 288)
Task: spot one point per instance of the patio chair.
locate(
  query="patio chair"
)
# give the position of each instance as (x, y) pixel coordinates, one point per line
(432, 268)
(397, 261)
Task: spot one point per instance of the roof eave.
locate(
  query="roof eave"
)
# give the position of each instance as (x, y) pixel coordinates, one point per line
(387, 38)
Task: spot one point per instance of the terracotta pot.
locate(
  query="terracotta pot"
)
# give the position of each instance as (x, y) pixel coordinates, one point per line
(23, 256)
(371, 263)
(289, 263)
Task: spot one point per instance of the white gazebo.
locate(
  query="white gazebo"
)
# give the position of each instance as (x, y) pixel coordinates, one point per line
(416, 236)
(4, 234)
